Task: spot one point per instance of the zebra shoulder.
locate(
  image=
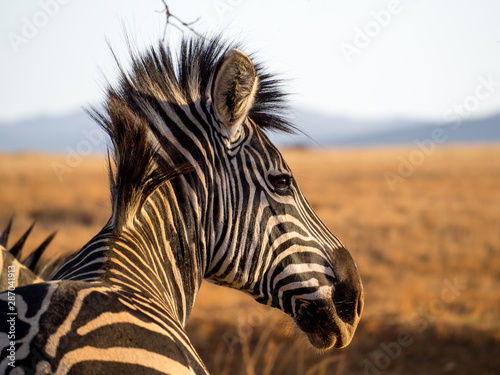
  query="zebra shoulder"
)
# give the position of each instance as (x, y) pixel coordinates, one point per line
(63, 325)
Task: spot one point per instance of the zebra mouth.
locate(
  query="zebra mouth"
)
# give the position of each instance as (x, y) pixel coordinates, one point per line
(323, 326)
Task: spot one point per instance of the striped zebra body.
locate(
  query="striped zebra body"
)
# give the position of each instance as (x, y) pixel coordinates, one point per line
(95, 328)
(198, 191)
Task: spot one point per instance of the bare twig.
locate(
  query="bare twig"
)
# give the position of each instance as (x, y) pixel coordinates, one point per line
(169, 15)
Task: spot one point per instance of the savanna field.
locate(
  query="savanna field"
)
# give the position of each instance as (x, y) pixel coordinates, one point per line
(427, 244)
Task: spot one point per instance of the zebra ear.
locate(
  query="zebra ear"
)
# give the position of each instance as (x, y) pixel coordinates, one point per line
(234, 88)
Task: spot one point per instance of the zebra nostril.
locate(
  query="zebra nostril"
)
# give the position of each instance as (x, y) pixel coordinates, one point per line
(348, 302)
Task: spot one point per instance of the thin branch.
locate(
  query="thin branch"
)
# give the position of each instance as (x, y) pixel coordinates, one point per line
(169, 15)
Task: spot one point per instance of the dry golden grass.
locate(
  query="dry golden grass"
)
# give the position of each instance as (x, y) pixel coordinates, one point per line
(428, 252)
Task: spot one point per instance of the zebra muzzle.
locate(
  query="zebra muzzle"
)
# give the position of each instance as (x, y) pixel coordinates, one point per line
(331, 323)
(323, 327)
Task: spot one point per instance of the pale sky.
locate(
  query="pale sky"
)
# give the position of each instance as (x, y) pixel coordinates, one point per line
(415, 59)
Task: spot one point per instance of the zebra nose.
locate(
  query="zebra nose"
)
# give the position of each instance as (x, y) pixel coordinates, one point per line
(347, 292)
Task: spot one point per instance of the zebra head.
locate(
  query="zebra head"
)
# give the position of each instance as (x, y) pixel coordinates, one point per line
(239, 215)
(270, 242)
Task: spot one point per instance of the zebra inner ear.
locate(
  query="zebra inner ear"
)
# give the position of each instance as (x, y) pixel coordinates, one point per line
(234, 88)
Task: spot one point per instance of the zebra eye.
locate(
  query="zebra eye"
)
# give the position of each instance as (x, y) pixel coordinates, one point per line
(281, 182)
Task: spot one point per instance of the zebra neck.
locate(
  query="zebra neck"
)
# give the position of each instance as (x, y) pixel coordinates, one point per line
(88, 262)
(159, 257)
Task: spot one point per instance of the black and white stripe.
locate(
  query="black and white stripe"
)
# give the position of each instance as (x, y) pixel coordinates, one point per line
(198, 191)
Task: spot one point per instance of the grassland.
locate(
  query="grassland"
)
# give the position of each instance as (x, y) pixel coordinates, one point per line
(428, 249)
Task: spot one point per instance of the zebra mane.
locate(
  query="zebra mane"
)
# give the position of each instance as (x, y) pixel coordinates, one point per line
(135, 170)
(182, 78)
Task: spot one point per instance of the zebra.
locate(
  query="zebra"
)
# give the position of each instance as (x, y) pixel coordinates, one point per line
(198, 191)
(13, 272)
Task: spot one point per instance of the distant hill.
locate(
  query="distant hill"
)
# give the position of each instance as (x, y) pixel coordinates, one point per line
(473, 131)
(77, 131)
(53, 134)
(337, 131)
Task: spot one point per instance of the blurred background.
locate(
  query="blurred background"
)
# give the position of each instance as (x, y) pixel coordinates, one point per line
(400, 105)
